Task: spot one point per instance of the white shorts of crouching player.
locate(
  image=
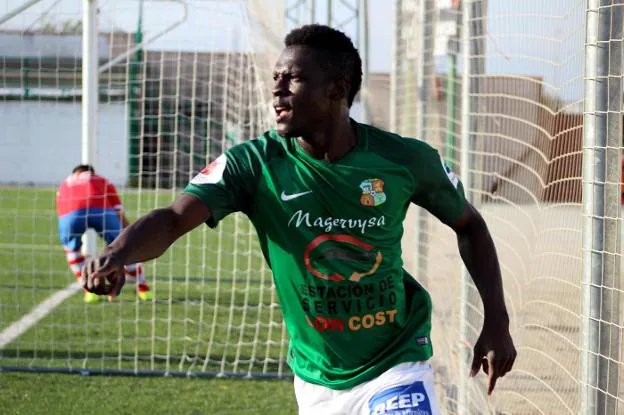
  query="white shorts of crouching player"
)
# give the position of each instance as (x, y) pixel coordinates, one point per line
(406, 389)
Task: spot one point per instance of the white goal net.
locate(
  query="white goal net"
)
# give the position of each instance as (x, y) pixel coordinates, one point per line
(527, 108)
(179, 82)
(506, 110)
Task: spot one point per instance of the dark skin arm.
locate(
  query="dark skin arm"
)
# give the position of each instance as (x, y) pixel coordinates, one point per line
(494, 349)
(147, 238)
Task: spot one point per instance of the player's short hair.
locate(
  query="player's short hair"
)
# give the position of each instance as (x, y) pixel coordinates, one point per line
(338, 55)
(83, 167)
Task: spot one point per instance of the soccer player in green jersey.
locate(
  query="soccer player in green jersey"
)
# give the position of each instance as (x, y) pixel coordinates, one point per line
(328, 197)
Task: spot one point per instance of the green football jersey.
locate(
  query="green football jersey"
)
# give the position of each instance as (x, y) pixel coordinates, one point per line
(331, 233)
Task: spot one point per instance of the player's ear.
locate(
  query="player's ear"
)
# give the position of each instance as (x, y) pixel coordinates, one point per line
(338, 90)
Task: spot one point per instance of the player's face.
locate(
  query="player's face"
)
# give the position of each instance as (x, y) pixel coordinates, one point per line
(301, 93)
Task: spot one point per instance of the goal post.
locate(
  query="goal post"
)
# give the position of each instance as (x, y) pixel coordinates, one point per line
(90, 98)
(601, 358)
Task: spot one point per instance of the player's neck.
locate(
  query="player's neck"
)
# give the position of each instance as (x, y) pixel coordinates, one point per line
(331, 144)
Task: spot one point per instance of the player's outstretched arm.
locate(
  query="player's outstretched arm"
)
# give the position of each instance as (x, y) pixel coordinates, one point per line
(147, 238)
(494, 349)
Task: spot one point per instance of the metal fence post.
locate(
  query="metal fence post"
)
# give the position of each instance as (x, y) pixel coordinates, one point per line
(602, 142)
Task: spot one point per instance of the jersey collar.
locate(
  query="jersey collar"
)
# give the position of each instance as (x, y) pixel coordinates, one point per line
(361, 143)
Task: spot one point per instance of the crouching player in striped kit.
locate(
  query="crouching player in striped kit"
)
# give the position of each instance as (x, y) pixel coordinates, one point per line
(85, 200)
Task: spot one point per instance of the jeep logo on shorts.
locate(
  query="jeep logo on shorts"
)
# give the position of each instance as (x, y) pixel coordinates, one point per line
(401, 400)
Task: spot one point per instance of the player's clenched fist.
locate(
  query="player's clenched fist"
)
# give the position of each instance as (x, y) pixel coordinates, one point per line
(103, 275)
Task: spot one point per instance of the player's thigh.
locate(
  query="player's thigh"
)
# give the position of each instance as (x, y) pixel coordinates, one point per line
(316, 399)
(106, 223)
(71, 227)
(407, 388)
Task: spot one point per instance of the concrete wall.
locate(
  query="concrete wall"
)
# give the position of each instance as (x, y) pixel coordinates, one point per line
(40, 142)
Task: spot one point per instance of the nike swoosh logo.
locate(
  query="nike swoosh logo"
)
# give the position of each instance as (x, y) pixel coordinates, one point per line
(286, 197)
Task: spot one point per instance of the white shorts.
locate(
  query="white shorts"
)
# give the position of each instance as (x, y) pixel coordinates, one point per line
(406, 389)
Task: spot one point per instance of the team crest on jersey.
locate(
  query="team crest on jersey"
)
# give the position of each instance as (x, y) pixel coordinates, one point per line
(212, 173)
(372, 192)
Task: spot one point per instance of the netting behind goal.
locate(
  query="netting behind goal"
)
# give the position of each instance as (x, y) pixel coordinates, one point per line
(522, 156)
(166, 109)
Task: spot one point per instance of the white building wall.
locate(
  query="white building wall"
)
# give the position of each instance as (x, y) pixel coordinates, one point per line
(40, 142)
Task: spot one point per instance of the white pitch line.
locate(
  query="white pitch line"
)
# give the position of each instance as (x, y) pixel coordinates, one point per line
(40, 311)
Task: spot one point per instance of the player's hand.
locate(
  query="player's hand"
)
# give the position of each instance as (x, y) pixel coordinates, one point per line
(103, 275)
(495, 352)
